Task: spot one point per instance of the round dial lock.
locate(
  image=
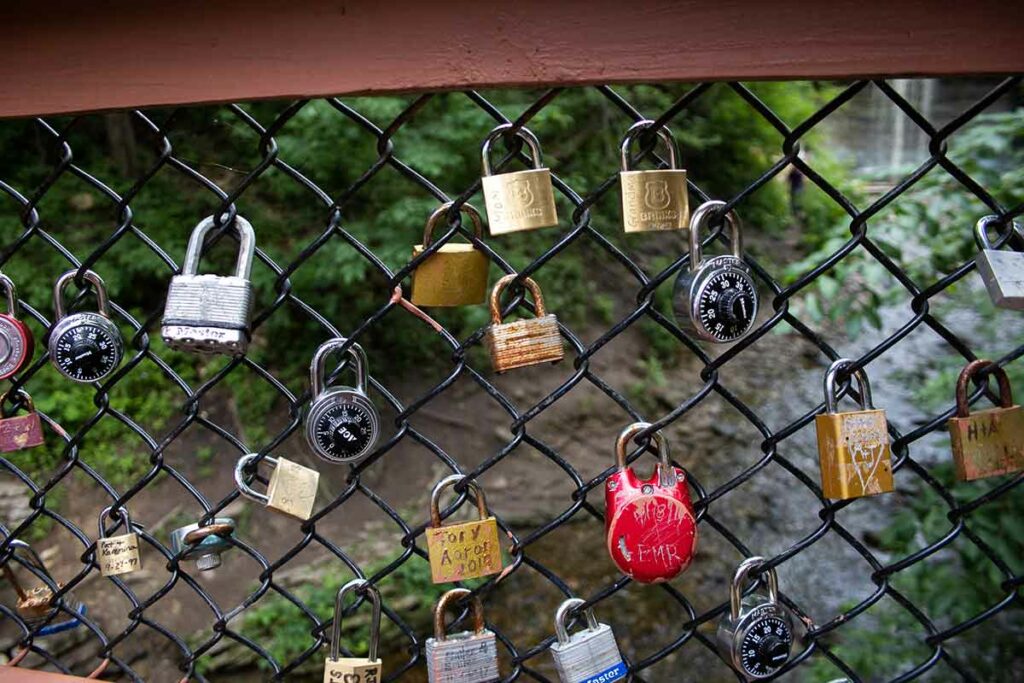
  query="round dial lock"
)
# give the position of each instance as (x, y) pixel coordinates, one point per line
(765, 647)
(86, 350)
(15, 345)
(342, 427)
(726, 304)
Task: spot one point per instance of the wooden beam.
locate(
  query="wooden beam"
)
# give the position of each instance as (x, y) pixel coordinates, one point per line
(63, 56)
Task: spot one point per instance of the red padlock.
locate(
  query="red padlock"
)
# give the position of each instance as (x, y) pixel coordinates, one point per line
(16, 342)
(650, 527)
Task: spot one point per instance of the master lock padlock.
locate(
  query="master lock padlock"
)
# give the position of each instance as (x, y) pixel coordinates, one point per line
(84, 346)
(587, 656)
(342, 424)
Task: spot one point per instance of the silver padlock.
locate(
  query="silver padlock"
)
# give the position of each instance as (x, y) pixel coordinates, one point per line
(588, 656)
(1002, 271)
(466, 657)
(204, 544)
(210, 313)
(342, 423)
(84, 346)
(756, 637)
(716, 298)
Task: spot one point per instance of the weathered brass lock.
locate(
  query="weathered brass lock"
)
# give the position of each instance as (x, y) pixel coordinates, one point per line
(653, 199)
(291, 490)
(454, 275)
(986, 443)
(462, 551)
(37, 605)
(19, 432)
(520, 200)
(367, 669)
(118, 554)
(524, 342)
(853, 447)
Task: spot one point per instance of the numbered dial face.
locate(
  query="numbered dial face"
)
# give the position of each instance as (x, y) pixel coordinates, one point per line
(15, 345)
(344, 431)
(766, 646)
(727, 304)
(87, 352)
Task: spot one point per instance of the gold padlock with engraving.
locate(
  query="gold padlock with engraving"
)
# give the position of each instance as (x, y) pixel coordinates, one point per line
(291, 490)
(37, 605)
(986, 443)
(462, 551)
(524, 342)
(118, 555)
(518, 200)
(853, 447)
(455, 274)
(653, 199)
(368, 669)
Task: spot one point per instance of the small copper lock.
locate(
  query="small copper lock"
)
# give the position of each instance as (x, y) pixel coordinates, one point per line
(21, 431)
(291, 490)
(455, 274)
(462, 551)
(524, 342)
(517, 200)
(986, 443)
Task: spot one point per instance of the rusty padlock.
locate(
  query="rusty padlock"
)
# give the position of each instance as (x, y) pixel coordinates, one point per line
(118, 554)
(524, 342)
(466, 657)
(291, 489)
(518, 200)
(21, 431)
(455, 274)
(462, 551)
(653, 199)
(986, 443)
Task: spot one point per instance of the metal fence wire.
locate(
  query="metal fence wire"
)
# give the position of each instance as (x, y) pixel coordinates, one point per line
(686, 613)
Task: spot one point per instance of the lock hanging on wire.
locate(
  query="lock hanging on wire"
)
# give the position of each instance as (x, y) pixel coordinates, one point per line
(16, 340)
(84, 346)
(119, 554)
(466, 657)
(291, 490)
(342, 425)
(367, 669)
(587, 656)
(1002, 270)
(519, 344)
(654, 199)
(517, 200)
(986, 443)
(36, 606)
(462, 551)
(455, 274)
(19, 432)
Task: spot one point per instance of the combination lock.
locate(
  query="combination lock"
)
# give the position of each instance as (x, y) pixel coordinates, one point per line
(16, 341)
(342, 424)
(84, 347)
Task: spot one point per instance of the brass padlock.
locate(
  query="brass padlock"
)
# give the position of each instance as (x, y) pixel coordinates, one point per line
(37, 605)
(462, 551)
(986, 443)
(291, 490)
(653, 199)
(455, 274)
(118, 554)
(524, 342)
(519, 200)
(368, 669)
(853, 447)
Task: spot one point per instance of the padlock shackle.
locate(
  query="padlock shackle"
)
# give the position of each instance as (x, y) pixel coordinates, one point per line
(25, 397)
(963, 409)
(663, 132)
(740, 578)
(562, 614)
(246, 246)
(35, 560)
(12, 296)
(360, 586)
(240, 477)
(452, 480)
(531, 141)
(704, 213)
(863, 386)
(90, 276)
(442, 606)
(499, 287)
(318, 368)
(984, 223)
(221, 527)
(442, 211)
(122, 513)
(666, 473)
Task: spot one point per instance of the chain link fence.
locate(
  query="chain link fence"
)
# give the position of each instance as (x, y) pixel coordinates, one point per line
(174, 624)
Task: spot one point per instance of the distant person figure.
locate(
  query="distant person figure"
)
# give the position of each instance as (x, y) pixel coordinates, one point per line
(795, 179)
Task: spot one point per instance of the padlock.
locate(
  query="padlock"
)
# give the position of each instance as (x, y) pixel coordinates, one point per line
(342, 424)
(986, 443)
(210, 313)
(36, 607)
(21, 431)
(291, 490)
(84, 347)
(853, 447)
(519, 200)
(1002, 271)
(588, 656)
(466, 657)
(118, 554)
(455, 274)
(354, 669)
(650, 526)
(653, 199)
(716, 298)
(16, 340)
(204, 544)
(462, 551)
(524, 342)
(756, 637)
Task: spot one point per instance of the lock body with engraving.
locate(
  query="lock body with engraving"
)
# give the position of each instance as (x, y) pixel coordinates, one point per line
(338, 669)
(653, 199)
(38, 605)
(16, 340)
(1001, 270)
(85, 346)
(986, 443)
(756, 637)
(342, 425)
(462, 551)
(118, 554)
(210, 313)
(466, 657)
(19, 432)
(522, 343)
(650, 526)
(455, 274)
(853, 447)
(290, 491)
(587, 656)
(518, 200)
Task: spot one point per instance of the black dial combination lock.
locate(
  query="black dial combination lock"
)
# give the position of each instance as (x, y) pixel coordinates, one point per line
(342, 424)
(84, 347)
